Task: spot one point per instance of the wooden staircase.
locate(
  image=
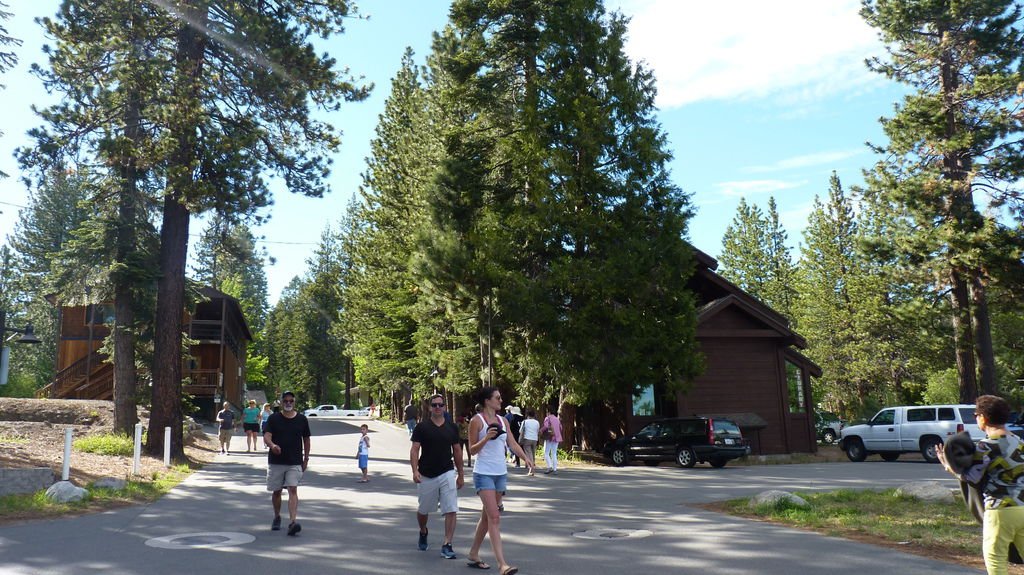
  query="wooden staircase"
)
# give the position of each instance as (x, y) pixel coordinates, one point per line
(91, 377)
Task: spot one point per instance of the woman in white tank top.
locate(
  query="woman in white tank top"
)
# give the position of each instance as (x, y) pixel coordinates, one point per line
(488, 443)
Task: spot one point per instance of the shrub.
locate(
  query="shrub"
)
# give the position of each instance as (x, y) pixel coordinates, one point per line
(105, 444)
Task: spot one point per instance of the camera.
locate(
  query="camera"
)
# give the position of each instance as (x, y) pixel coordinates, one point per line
(498, 427)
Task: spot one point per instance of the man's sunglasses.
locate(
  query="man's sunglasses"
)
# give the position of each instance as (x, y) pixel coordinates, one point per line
(287, 401)
(436, 405)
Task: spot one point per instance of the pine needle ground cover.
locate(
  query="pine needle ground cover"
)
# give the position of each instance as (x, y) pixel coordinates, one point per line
(943, 531)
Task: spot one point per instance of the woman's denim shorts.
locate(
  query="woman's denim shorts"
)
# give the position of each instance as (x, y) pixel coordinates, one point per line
(492, 482)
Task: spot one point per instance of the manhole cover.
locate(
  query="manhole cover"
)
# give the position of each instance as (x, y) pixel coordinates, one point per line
(207, 540)
(606, 533)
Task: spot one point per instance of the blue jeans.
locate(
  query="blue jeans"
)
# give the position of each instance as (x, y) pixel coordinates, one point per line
(411, 424)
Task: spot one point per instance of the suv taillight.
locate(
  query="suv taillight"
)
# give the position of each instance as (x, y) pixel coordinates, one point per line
(959, 427)
(711, 432)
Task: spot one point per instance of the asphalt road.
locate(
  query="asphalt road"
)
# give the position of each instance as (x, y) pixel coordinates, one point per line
(218, 521)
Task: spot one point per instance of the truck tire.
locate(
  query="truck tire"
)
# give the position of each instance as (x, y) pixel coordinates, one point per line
(855, 450)
(829, 436)
(928, 447)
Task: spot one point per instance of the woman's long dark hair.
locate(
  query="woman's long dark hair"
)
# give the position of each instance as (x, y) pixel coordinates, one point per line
(485, 393)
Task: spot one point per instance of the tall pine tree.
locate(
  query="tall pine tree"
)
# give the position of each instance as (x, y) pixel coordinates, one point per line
(955, 138)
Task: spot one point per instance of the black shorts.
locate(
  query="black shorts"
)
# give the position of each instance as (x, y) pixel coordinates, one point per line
(253, 427)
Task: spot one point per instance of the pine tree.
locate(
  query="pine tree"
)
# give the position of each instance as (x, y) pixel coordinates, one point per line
(8, 59)
(381, 296)
(553, 221)
(45, 227)
(245, 74)
(956, 134)
(102, 66)
(743, 257)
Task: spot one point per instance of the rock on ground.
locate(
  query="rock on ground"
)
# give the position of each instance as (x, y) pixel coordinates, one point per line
(65, 492)
(925, 491)
(774, 496)
(110, 483)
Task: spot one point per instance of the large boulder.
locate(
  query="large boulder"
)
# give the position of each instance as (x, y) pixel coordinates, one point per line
(926, 491)
(775, 497)
(66, 492)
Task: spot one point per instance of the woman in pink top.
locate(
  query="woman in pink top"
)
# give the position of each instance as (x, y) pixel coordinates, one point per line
(551, 444)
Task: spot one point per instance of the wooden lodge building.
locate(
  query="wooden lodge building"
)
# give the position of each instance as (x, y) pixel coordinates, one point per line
(753, 375)
(213, 372)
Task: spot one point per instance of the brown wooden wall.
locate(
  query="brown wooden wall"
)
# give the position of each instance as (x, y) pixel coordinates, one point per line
(74, 337)
(741, 375)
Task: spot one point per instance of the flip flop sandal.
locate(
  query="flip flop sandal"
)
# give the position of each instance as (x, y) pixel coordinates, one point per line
(478, 564)
(510, 571)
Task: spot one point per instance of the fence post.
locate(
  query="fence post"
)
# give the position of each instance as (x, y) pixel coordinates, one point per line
(66, 473)
(167, 447)
(137, 459)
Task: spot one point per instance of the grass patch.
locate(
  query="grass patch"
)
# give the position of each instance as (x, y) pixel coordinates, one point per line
(106, 444)
(38, 506)
(878, 516)
(12, 439)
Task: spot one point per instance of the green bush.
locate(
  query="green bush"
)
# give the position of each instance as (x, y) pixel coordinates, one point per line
(105, 444)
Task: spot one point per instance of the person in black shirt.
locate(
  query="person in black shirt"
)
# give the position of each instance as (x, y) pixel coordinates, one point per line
(287, 435)
(435, 444)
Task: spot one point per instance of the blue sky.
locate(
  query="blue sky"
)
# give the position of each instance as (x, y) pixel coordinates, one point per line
(762, 99)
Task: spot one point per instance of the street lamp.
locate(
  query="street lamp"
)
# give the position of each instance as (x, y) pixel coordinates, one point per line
(27, 336)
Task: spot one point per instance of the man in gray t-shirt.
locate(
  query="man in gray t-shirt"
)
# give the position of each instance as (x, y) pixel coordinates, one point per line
(226, 419)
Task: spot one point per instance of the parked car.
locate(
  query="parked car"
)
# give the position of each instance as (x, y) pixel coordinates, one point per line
(685, 440)
(335, 411)
(828, 425)
(906, 429)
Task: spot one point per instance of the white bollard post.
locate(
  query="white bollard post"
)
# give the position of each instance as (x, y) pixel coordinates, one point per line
(66, 473)
(137, 460)
(167, 447)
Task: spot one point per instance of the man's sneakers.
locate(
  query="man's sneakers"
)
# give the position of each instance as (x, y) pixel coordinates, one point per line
(423, 541)
(447, 552)
(294, 528)
(276, 525)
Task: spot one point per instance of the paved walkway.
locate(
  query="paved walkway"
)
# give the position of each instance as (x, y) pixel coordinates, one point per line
(370, 528)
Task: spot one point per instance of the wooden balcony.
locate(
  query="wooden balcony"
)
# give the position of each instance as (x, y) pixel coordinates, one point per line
(201, 382)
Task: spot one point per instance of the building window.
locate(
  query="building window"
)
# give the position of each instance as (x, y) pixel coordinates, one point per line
(795, 379)
(643, 404)
(99, 314)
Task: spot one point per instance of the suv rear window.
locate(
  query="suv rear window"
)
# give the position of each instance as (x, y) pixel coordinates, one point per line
(921, 414)
(725, 426)
(967, 415)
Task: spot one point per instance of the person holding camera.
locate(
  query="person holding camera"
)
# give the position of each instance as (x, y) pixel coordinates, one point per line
(489, 436)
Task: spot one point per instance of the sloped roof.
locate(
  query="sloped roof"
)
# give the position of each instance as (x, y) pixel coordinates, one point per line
(760, 313)
(236, 308)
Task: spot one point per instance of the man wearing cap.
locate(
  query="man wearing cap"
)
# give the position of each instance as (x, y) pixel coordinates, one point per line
(287, 435)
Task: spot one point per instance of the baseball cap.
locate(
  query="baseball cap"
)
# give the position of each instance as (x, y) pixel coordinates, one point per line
(286, 394)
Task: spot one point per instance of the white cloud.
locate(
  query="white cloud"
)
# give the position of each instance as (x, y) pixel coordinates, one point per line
(793, 51)
(805, 161)
(744, 188)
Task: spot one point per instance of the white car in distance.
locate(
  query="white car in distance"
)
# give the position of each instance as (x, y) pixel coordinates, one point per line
(335, 411)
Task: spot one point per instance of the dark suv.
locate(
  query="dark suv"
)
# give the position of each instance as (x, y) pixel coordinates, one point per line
(685, 440)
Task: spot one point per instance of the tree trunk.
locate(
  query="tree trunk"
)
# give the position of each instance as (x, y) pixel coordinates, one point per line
(125, 412)
(983, 336)
(567, 415)
(963, 339)
(170, 304)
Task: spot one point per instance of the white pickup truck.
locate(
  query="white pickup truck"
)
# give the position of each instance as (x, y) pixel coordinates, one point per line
(335, 411)
(906, 429)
